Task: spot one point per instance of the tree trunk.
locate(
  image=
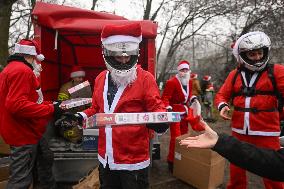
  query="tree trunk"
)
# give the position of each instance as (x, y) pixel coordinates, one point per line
(5, 14)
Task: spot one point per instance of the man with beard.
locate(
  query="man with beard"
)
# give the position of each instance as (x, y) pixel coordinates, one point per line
(123, 151)
(254, 89)
(177, 96)
(24, 116)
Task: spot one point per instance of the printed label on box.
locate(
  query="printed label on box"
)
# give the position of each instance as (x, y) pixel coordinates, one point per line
(177, 155)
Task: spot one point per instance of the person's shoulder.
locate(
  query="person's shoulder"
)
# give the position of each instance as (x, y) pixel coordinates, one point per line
(67, 85)
(18, 68)
(143, 73)
(101, 75)
(278, 66)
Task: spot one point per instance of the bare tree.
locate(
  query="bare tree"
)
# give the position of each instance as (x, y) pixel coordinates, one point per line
(179, 30)
(94, 4)
(5, 14)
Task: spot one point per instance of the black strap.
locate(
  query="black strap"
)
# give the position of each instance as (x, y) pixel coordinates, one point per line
(254, 110)
(251, 91)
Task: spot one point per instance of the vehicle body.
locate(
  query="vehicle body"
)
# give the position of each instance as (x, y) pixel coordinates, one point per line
(71, 36)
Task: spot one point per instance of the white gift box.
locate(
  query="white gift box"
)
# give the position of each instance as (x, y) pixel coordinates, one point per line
(75, 102)
(103, 119)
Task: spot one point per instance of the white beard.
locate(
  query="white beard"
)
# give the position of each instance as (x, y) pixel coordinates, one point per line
(123, 78)
(185, 78)
(37, 69)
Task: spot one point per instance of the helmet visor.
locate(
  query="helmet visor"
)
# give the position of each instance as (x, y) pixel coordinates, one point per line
(121, 49)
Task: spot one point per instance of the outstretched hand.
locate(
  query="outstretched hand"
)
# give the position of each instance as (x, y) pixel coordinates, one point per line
(225, 113)
(206, 140)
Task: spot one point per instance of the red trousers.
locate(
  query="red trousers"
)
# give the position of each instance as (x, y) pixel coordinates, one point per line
(238, 179)
(176, 129)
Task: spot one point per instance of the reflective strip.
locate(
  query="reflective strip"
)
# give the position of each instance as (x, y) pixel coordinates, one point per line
(63, 96)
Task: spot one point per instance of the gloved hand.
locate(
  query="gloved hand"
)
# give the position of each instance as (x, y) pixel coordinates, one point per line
(75, 117)
(158, 127)
(169, 109)
(57, 110)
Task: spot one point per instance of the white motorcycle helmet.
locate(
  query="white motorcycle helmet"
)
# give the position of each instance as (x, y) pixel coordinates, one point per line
(121, 40)
(121, 49)
(252, 41)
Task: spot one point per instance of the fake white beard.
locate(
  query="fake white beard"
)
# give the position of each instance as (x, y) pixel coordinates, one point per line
(184, 79)
(37, 69)
(123, 78)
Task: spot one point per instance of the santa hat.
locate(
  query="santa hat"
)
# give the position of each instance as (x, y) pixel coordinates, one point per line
(182, 65)
(207, 78)
(121, 33)
(29, 47)
(77, 71)
(193, 76)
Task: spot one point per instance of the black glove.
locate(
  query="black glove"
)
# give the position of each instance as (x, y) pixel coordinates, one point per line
(57, 110)
(75, 117)
(158, 127)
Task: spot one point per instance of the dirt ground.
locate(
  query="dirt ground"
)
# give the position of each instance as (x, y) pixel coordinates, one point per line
(160, 178)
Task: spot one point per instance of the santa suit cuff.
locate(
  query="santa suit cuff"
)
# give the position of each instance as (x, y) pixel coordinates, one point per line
(222, 105)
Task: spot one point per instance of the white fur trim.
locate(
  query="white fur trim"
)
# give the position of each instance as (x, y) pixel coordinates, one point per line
(25, 49)
(77, 74)
(40, 57)
(121, 38)
(182, 66)
(83, 115)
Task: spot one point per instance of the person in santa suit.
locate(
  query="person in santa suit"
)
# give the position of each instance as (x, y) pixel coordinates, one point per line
(77, 76)
(23, 113)
(207, 97)
(123, 152)
(255, 118)
(196, 89)
(177, 97)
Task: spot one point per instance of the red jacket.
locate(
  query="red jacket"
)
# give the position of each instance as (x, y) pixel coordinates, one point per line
(22, 119)
(263, 123)
(175, 96)
(126, 147)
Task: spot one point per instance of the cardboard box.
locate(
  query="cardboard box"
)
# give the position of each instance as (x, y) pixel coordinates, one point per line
(3, 184)
(201, 168)
(4, 168)
(82, 90)
(102, 119)
(4, 148)
(90, 139)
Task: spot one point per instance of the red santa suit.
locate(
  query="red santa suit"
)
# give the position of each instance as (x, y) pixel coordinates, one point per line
(176, 97)
(125, 147)
(22, 118)
(255, 118)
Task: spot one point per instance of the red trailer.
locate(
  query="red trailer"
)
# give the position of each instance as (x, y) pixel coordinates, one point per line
(71, 36)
